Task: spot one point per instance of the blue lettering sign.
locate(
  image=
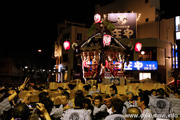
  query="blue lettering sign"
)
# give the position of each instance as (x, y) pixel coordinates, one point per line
(141, 65)
(135, 65)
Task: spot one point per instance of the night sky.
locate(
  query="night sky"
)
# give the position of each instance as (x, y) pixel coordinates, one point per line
(32, 26)
(29, 26)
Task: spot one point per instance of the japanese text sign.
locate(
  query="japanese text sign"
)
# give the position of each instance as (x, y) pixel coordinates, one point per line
(125, 24)
(138, 65)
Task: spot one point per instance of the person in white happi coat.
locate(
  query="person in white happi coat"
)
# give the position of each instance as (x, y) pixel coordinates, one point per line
(142, 102)
(100, 110)
(175, 104)
(108, 103)
(130, 102)
(88, 106)
(161, 107)
(152, 97)
(65, 104)
(113, 91)
(94, 90)
(117, 107)
(77, 113)
(153, 94)
(5, 103)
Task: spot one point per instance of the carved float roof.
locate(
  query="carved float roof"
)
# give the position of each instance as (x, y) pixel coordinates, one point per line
(95, 43)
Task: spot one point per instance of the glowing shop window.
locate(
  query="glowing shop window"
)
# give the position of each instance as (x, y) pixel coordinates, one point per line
(144, 76)
(177, 35)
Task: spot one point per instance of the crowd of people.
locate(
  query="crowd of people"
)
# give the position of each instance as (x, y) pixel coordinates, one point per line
(146, 105)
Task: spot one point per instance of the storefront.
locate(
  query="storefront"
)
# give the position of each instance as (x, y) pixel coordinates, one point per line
(153, 61)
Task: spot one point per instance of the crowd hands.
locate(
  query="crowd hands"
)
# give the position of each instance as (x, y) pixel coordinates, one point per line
(157, 104)
(14, 108)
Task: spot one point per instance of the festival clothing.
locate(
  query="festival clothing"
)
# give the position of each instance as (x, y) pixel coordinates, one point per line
(115, 117)
(102, 108)
(161, 107)
(146, 114)
(130, 104)
(76, 114)
(5, 106)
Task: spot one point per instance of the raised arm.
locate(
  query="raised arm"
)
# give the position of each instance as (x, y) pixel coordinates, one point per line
(43, 110)
(11, 97)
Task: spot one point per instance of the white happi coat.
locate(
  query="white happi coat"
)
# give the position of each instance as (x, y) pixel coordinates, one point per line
(146, 114)
(175, 105)
(128, 104)
(115, 117)
(103, 108)
(76, 114)
(161, 107)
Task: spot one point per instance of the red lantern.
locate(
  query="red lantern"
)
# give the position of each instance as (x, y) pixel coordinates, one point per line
(106, 40)
(97, 18)
(138, 47)
(66, 45)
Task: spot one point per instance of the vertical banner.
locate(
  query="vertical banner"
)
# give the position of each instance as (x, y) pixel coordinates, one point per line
(125, 24)
(57, 50)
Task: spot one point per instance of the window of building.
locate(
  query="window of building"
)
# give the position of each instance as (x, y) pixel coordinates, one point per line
(147, 20)
(79, 36)
(66, 37)
(144, 76)
(146, 1)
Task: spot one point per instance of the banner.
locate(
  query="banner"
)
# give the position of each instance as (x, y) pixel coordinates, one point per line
(57, 50)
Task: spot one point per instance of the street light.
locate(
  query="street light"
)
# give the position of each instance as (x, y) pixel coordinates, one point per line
(142, 52)
(39, 50)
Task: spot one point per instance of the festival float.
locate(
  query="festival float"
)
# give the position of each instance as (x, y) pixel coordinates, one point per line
(102, 55)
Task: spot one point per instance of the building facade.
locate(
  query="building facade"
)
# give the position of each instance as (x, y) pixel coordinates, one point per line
(156, 35)
(74, 33)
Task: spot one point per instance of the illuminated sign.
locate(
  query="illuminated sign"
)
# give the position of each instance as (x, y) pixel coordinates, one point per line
(177, 27)
(175, 56)
(125, 24)
(138, 65)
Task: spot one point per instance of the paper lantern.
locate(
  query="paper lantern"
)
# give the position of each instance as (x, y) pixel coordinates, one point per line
(66, 45)
(106, 40)
(97, 18)
(138, 47)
